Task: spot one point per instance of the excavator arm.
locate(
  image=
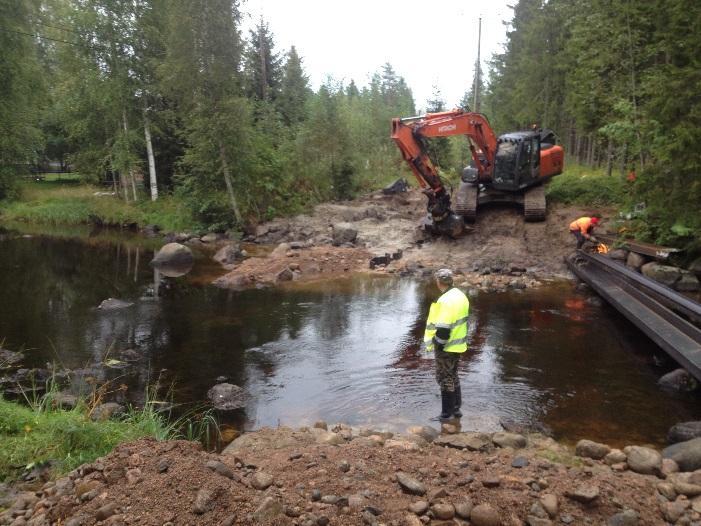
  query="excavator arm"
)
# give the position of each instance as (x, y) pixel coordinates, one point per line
(408, 134)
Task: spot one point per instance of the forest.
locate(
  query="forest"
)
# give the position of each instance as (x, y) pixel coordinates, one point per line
(172, 97)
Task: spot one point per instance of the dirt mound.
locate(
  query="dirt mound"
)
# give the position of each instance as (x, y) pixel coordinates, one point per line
(374, 478)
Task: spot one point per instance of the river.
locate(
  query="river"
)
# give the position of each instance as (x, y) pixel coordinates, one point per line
(347, 351)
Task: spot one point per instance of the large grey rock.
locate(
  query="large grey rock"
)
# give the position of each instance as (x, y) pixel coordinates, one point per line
(590, 449)
(695, 267)
(664, 274)
(469, 441)
(684, 431)
(686, 454)
(410, 484)
(106, 411)
(484, 515)
(9, 357)
(344, 233)
(173, 255)
(513, 440)
(635, 260)
(443, 511)
(261, 480)
(584, 493)
(620, 254)
(687, 283)
(228, 254)
(227, 397)
(643, 460)
(678, 380)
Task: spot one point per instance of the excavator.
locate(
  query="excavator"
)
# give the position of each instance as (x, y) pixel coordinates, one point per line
(509, 168)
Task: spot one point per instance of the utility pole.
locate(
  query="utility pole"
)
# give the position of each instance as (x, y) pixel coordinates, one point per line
(475, 101)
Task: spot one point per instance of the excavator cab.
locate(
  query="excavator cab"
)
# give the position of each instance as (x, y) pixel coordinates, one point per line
(517, 161)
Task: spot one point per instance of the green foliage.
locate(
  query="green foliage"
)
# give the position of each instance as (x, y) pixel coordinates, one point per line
(586, 186)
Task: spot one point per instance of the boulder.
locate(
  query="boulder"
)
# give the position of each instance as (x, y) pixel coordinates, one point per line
(678, 380)
(684, 431)
(9, 357)
(686, 454)
(227, 397)
(619, 253)
(344, 233)
(635, 261)
(106, 411)
(428, 433)
(114, 304)
(513, 440)
(584, 494)
(643, 460)
(173, 255)
(469, 441)
(64, 400)
(261, 481)
(212, 237)
(687, 283)
(664, 274)
(615, 456)
(695, 267)
(443, 511)
(228, 254)
(589, 449)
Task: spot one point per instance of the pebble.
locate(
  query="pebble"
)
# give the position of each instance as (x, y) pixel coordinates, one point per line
(411, 485)
(295, 456)
(204, 501)
(443, 511)
(463, 508)
(519, 462)
(316, 495)
(106, 511)
(667, 490)
(484, 515)
(550, 504)
(566, 518)
(624, 518)
(344, 466)
(419, 507)
(437, 494)
(163, 465)
(491, 482)
(584, 493)
(262, 480)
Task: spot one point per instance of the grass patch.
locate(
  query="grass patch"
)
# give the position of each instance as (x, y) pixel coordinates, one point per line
(68, 203)
(586, 186)
(32, 435)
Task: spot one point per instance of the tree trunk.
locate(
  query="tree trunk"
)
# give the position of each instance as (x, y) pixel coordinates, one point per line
(149, 152)
(229, 184)
(578, 147)
(131, 171)
(263, 69)
(624, 159)
(609, 158)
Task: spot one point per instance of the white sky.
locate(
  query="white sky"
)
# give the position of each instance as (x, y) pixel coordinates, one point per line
(428, 42)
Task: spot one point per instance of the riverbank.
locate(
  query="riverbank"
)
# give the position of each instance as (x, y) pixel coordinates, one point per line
(344, 476)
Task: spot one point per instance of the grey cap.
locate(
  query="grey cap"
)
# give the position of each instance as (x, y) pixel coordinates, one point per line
(444, 275)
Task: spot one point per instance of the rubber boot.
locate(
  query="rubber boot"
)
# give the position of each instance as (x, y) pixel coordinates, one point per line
(448, 405)
(458, 402)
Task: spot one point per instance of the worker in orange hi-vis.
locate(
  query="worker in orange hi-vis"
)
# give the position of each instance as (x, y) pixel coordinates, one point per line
(582, 229)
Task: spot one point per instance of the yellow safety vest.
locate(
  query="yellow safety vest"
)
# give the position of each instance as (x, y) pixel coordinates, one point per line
(450, 311)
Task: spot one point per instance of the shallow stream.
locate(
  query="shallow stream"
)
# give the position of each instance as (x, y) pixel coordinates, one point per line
(342, 351)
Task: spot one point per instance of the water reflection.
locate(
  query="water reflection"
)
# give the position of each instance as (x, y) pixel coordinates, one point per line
(339, 351)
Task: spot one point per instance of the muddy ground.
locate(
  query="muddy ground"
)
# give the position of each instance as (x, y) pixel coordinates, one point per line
(314, 477)
(500, 250)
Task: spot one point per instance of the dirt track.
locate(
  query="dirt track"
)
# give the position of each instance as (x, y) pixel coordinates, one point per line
(501, 249)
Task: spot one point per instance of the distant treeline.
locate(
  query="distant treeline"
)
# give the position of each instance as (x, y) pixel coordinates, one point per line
(171, 96)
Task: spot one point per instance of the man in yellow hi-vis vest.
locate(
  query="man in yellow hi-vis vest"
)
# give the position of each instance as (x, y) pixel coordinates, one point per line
(446, 336)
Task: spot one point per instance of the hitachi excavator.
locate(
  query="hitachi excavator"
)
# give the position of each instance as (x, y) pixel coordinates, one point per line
(511, 168)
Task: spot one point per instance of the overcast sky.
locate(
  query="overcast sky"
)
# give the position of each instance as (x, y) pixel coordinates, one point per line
(428, 42)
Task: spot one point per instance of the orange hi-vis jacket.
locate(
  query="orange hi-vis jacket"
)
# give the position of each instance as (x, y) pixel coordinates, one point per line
(583, 225)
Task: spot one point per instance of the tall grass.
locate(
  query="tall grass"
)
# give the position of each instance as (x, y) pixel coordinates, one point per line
(67, 203)
(37, 431)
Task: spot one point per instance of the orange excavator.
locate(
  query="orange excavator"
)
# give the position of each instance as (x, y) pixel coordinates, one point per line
(509, 168)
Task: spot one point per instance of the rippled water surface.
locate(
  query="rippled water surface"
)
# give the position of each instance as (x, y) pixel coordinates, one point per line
(346, 351)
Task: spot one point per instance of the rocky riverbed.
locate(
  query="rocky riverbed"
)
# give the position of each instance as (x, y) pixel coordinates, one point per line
(345, 476)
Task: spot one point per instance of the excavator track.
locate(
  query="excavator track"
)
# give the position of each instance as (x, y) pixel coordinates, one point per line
(466, 202)
(534, 207)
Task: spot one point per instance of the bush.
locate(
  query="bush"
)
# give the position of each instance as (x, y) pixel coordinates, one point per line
(587, 186)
